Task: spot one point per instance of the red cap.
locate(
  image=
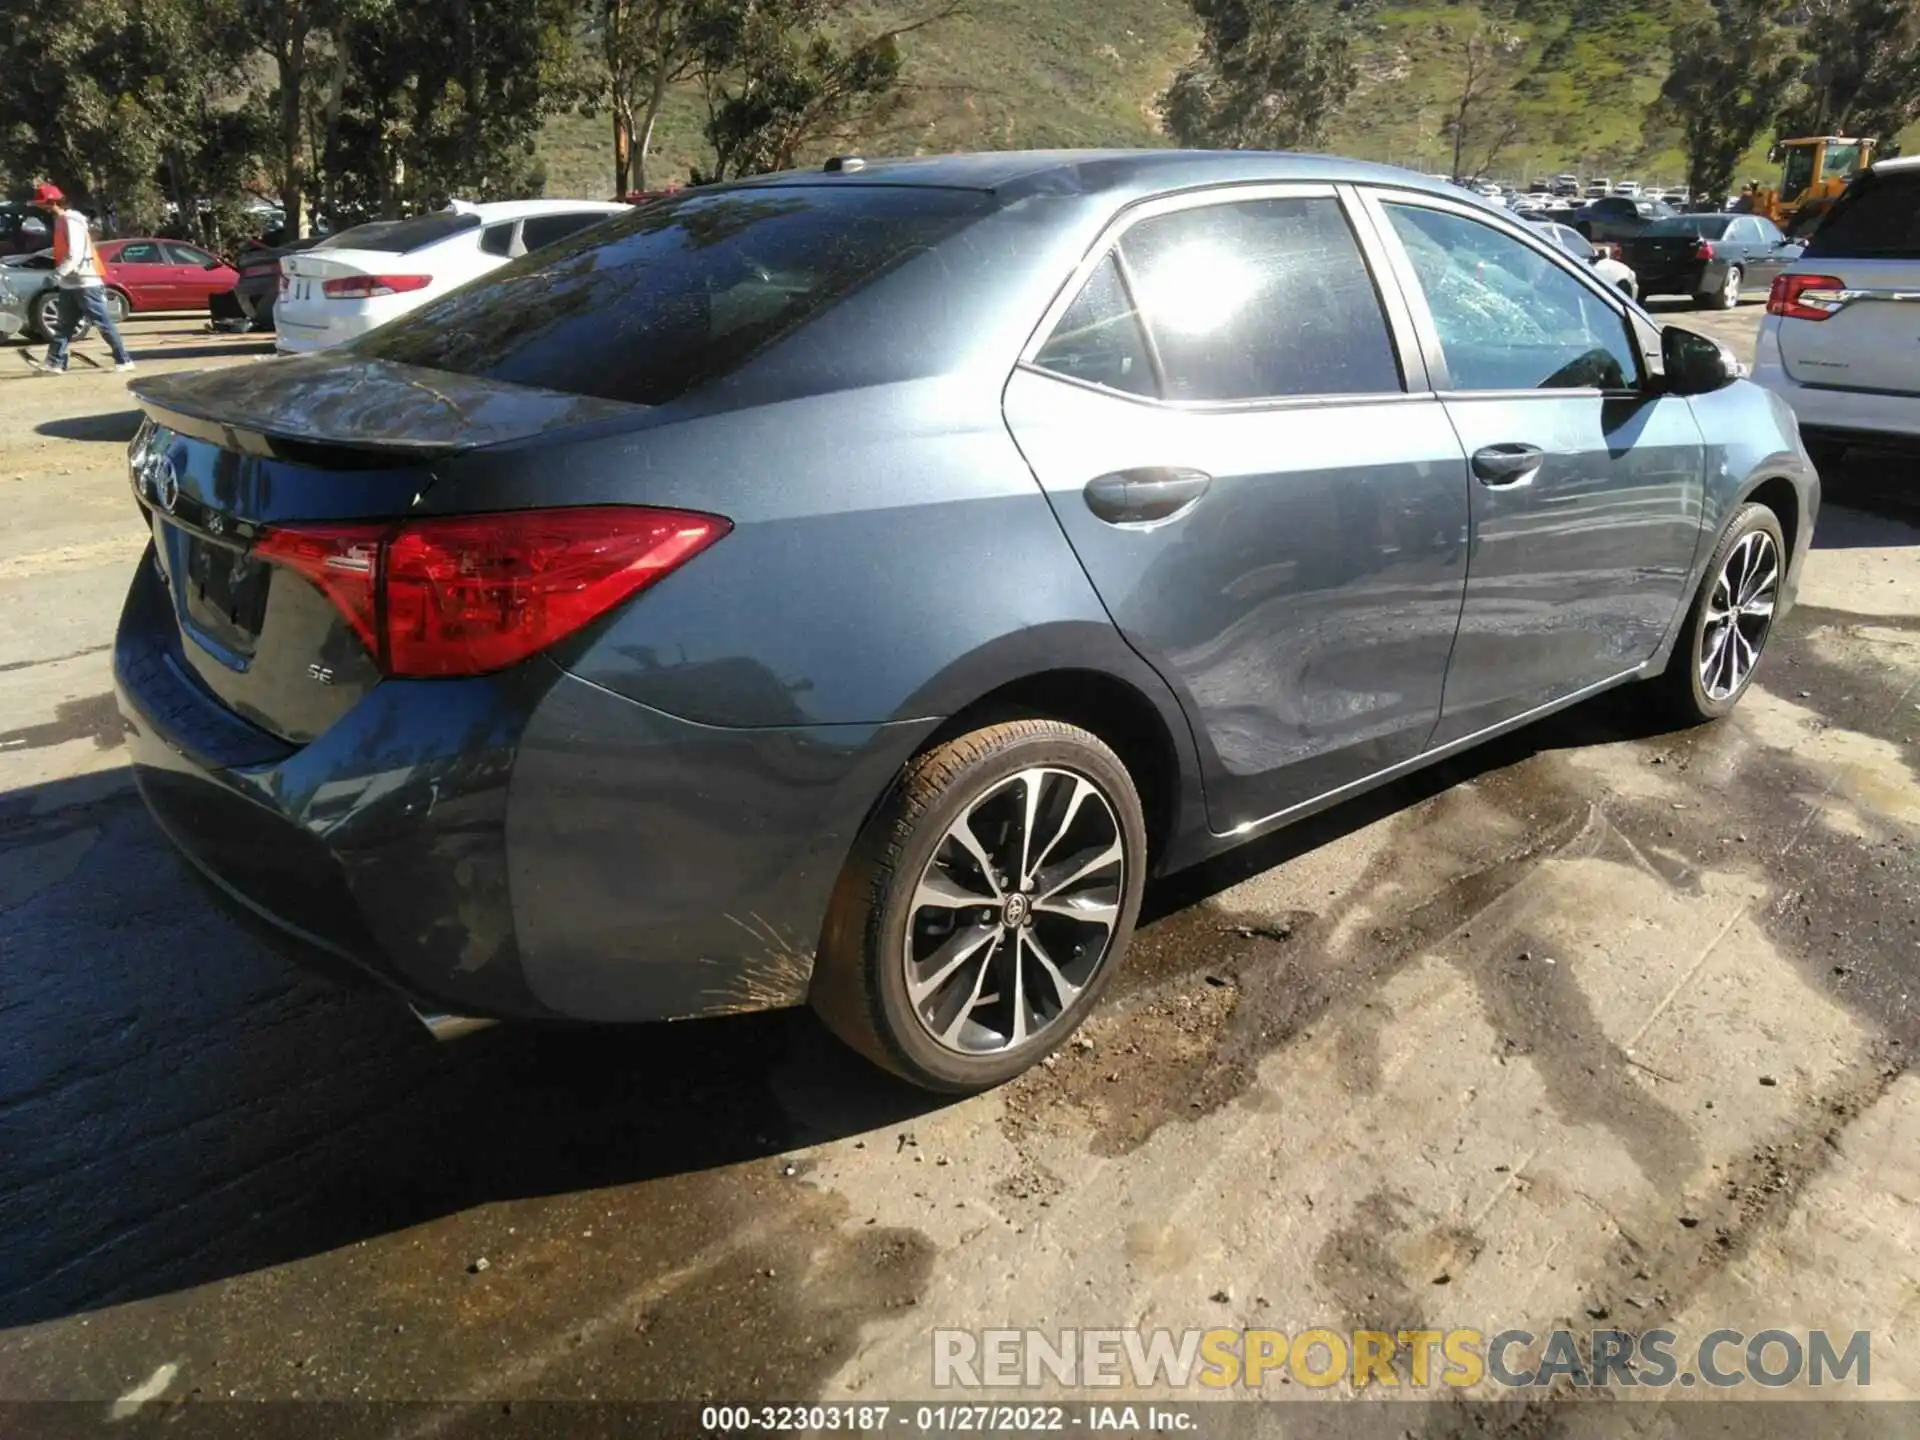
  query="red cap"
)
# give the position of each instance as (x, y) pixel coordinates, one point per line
(45, 194)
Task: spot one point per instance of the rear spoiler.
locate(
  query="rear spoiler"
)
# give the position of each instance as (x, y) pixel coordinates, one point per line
(338, 401)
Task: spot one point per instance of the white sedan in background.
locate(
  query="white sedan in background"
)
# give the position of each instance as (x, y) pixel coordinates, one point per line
(1605, 263)
(370, 274)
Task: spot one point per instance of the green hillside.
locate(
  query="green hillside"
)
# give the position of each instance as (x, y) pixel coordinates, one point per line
(1017, 73)
(1007, 74)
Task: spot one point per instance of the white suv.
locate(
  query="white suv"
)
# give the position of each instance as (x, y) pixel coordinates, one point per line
(366, 276)
(1841, 337)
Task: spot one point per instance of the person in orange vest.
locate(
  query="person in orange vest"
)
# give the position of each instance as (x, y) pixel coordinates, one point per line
(83, 293)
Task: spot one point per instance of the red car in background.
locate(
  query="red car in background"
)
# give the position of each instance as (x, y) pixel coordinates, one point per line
(164, 274)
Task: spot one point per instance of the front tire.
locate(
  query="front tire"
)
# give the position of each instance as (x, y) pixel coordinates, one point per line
(1730, 620)
(986, 905)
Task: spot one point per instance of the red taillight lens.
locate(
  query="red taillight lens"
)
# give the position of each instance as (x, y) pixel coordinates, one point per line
(365, 287)
(343, 561)
(471, 593)
(1806, 297)
(1703, 251)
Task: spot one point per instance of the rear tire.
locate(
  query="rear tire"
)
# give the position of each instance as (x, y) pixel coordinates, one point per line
(1730, 621)
(1727, 297)
(119, 307)
(957, 976)
(44, 315)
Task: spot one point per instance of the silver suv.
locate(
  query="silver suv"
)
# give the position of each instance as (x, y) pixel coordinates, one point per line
(1841, 338)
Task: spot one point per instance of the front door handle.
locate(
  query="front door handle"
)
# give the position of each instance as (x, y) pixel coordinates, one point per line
(1140, 497)
(1507, 466)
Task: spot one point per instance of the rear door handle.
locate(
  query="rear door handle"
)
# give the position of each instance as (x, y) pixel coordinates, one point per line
(1507, 466)
(1140, 497)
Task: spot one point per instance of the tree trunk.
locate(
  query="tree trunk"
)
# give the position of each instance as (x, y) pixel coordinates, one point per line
(622, 151)
(291, 59)
(655, 98)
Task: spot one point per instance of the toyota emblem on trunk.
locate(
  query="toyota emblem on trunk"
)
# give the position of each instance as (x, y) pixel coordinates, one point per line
(163, 482)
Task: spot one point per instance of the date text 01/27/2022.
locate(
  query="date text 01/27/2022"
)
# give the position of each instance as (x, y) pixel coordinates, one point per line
(984, 1419)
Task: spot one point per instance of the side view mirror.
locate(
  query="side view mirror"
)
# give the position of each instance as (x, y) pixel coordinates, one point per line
(1696, 364)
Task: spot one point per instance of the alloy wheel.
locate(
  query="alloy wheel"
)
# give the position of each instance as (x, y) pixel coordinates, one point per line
(1730, 291)
(1739, 615)
(1015, 911)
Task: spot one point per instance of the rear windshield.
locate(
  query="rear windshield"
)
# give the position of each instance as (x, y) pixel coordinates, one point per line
(1877, 218)
(678, 293)
(399, 236)
(1712, 227)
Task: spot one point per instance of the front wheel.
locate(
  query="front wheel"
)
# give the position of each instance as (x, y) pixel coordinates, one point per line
(986, 905)
(1730, 621)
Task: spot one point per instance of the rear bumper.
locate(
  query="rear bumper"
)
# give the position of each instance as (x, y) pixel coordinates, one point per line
(342, 321)
(1679, 279)
(517, 846)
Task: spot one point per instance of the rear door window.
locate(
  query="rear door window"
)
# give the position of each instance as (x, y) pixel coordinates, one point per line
(676, 293)
(1099, 340)
(138, 252)
(1878, 218)
(1260, 299)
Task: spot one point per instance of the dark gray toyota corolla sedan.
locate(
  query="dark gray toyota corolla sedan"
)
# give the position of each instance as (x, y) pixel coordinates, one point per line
(850, 587)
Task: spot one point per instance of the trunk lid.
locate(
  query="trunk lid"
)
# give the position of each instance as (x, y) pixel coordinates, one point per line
(303, 276)
(224, 457)
(1659, 254)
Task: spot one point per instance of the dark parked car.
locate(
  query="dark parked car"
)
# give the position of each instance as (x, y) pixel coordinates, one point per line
(24, 229)
(259, 283)
(850, 587)
(1713, 257)
(1617, 217)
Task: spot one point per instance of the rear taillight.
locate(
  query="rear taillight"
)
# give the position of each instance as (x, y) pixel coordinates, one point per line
(1806, 297)
(1703, 251)
(343, 560)
(365, 287)
(466, 594)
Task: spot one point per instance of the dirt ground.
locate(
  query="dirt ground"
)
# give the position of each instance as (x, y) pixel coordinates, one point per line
(1600, 1021)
